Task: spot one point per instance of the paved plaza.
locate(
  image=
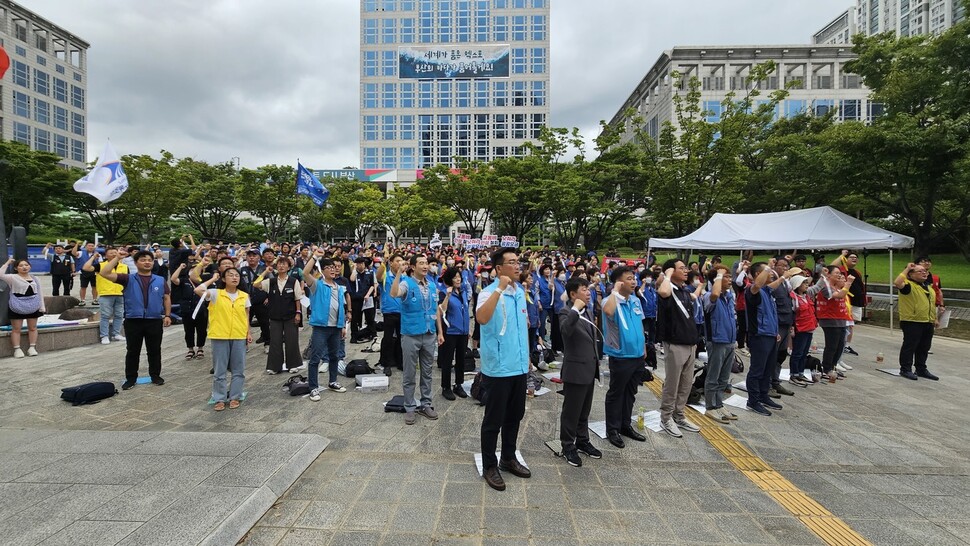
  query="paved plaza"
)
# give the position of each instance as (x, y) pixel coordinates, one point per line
(886, 456)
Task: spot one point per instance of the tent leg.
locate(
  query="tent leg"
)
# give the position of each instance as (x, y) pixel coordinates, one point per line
(891, 286)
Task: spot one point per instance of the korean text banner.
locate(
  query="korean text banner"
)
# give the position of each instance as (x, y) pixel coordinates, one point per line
(461, 61)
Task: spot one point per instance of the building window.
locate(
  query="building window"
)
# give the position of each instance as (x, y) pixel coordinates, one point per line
(518, 93)
(59, 69)
(370, 5)
(390, 5)
(501, 4)
(42, 140)
(518, 60)
(538, 60)
(518, 28)
(795, 107)
(389, 63)
(427, 26)
(388, 158)
(851, 81)
(823, 106)
(388, 96)
(388, 31)
(407, 159)
(60, 90)
(42, 112)
(425, 94)
(538, 93)
(501, 28)
(538, 27)
(77, 124)
(370, 158)
(21, 74)
(42, 82)
(407, 127)
(501, 93)
(407, 30)
(712, 110)
(464, 93)
(370, 31)
(370, 63)
(444, 94)
(370, 95)
(538, 122)
(481, 94)
(849, 110)
(77, 77)
(407, 95)
(370, 127)
(407, 5)
(518, 4)
(481, 21)
(41, 60)
(876, 109)
(21, 104)
(538, 4)
(60, 118)
(21, 132)
(389, 127)
(20, 32)
(60, 145)
(501, 126)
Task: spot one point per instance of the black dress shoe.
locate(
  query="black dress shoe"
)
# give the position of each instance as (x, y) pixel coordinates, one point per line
(459, 391)
(630, 433)
(908, 374)
(127, 385)
(572, 457)
(515, 468)
(446, 392)
(925, 374)
(158, 380)
(769, 403)
(494, 479)
(614, 438)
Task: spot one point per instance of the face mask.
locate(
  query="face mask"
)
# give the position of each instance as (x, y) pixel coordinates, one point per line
(697, 283)
(562, 277)
(450, 263)
(641, 268)
(648, 280)
(434, 270)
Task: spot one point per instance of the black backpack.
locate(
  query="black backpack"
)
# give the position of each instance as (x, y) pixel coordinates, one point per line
(357, 367)
(89, 393)
(478, 389)
(395, 405)
(297, 386)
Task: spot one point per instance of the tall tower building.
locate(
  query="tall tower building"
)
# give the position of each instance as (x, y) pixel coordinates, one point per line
(908, 17)
(43, 96)
(451, 78)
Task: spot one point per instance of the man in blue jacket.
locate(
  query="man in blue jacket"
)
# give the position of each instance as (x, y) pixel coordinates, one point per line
(503, 317)
(624, 344)
(418, 295)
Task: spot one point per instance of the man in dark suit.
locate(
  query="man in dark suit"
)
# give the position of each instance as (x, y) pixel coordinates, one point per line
(580, 367)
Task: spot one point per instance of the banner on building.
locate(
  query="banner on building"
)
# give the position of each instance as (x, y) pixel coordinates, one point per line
(461, 61)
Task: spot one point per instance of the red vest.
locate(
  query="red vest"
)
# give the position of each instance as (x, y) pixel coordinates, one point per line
(805, 320)
(831, 308)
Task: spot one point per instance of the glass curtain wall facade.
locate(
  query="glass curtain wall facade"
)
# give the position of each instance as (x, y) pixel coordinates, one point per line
(442, 79)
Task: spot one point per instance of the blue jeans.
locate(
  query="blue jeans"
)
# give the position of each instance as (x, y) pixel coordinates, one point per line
(324, 343)
(764, 351)
(228, 355)
(799, 351)
(720, 358)
(112, 315)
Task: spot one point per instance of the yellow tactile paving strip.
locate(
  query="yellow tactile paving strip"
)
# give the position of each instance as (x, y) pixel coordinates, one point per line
(823, 523)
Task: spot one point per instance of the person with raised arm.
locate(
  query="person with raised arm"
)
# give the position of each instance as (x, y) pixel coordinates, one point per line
(229, 332)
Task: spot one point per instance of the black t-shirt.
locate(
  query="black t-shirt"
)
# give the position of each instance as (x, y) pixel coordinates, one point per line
(177, 257)
(676, 325)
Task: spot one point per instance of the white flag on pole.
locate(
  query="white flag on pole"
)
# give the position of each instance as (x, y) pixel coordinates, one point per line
(107, 180)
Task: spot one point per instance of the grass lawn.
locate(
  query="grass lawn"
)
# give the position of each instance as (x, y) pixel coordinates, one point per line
(953, 269)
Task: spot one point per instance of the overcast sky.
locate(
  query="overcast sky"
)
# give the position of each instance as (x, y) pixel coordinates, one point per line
(270, 81)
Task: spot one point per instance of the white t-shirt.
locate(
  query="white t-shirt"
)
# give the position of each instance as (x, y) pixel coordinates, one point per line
(212, 295)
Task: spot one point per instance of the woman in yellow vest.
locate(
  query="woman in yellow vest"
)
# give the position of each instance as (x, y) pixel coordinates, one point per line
(229, 332)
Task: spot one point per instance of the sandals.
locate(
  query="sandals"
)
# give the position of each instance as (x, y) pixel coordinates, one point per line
(222, 405)
(190, 355)
(200, 354)
(233, 404)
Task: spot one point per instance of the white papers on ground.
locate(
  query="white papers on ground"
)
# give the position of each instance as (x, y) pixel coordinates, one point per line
(737, 401)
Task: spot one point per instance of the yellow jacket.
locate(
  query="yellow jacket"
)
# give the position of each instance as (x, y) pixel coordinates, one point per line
(229, 319)
(108, 288)
(919, 305)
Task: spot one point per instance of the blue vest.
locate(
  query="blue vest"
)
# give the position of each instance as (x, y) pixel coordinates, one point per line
(505, 338)
(457, 315)
(557, 302)
(418, 312)
(320, 304)
(389, 304)
(533, 312)
(135, 305)
(545, 295)
(650, 302)
(766, 321)
(722, 317)
(623, 332)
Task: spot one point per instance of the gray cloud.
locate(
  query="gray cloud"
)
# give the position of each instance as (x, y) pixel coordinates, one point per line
(273, 81)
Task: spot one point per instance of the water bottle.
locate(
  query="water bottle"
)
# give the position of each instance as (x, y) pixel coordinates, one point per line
(880, 357)
(640, 418)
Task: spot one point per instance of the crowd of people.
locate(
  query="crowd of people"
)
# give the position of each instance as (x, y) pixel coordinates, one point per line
(449, 306)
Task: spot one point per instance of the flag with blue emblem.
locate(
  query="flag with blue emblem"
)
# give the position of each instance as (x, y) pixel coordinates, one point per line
(309, 185)
(107, 180)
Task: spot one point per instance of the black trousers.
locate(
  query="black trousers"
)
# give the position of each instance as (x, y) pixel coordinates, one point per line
(61, 280)
(834, 345)
(625, 377)
(357, 316)
(452, 350)
(196, 328)
(555, 333)
(574, 421)
(284, 345)
(917, 340)
(391, 342)
(742, 328)
(504, 409)
(149, 332)
(784, 330)
(262, 318)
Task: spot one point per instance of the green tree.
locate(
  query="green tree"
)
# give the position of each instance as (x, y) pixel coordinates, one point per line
(154, 193)
(519, 192)
(406, 211)
(30, 183)
(469, 191)
(211, 196)
(354, 206)
(269, 193)
(112, 222)
(913, 160)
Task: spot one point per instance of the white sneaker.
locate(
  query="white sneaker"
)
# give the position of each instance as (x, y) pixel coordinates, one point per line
(684, 424)
(841, 367)
(299, 368)
(117, 337)
(105, 340)
(671, 427)
(336, 387)
(844, 365)
(265, 349)
(315, 395)
(31, 351)
(18, 353)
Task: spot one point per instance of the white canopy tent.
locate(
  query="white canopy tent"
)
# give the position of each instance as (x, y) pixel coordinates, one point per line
(815, 228)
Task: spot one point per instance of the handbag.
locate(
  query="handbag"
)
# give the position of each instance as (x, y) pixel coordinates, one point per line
(738, 365)
(24, 305)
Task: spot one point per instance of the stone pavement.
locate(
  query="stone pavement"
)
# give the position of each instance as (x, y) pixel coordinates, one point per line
(887, 455)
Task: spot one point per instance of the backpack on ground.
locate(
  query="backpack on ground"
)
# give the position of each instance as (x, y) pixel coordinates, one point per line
(357, 367)
(395, 405)
(812, 363)
(478, 389)
(89, 393)
(296, 386)
(738, 365)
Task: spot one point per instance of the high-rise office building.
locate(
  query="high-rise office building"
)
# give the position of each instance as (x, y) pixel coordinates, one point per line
(451, 78)
(839, 31)
(43, 97)
(907, 17)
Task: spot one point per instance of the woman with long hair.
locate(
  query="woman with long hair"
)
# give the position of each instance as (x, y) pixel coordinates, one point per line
(26, 303)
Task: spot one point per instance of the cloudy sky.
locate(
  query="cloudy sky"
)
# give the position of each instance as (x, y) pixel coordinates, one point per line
(270, 81)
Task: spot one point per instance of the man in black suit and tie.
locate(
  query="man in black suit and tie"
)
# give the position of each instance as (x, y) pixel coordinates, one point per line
(580, 367)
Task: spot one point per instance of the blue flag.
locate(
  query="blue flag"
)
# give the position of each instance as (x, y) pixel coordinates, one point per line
(307, 184)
